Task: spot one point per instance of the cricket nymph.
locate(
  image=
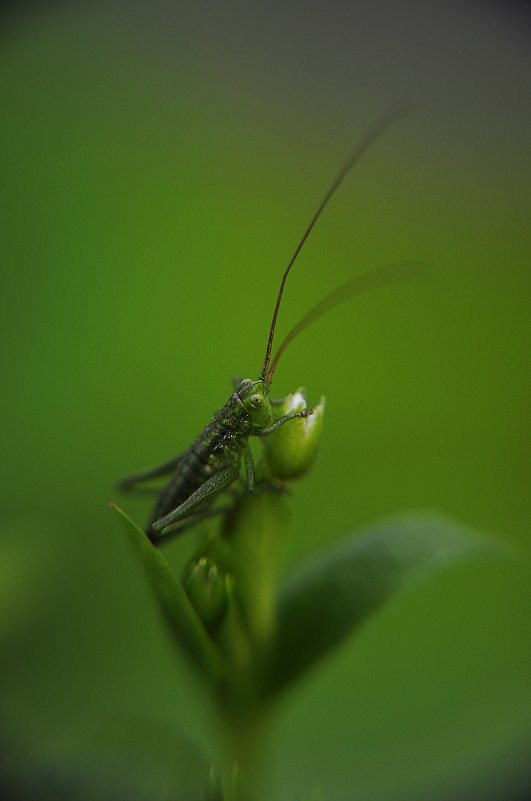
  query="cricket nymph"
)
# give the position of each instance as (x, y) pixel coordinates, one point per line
(213, 461)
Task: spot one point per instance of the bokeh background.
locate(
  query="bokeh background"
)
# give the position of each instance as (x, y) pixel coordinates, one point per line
(159, 162)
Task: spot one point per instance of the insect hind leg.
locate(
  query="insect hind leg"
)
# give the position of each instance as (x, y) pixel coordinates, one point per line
(129, 483)
(188, 509)
(186, 523)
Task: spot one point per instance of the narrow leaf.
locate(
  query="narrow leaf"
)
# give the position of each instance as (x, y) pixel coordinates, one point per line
(179, 613)
(328, 598)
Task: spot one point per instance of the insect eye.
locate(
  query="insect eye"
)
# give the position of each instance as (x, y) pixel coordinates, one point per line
(255, 400)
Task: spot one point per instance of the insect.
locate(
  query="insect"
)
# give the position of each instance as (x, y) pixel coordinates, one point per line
(212, 463)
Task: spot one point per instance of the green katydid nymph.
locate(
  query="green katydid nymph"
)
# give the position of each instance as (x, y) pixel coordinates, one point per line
(213, 461)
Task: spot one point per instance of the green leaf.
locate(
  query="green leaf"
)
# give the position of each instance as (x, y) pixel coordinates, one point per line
(179, 613)
(134, 759)
(327, 599)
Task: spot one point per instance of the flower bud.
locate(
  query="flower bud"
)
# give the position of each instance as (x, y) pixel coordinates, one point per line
(291, 449)
(206, 588)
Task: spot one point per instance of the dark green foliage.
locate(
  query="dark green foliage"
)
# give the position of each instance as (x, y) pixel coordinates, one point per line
(179, 613)
(323, 602)
(337, 591)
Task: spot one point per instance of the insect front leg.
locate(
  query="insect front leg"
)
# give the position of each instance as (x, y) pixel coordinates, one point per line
(189, 508)
(263, 432)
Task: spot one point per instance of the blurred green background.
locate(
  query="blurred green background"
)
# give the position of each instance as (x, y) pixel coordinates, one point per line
(159, 162)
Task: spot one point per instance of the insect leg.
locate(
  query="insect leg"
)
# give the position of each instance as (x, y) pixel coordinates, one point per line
(141, 492)
(249, 470)
(213, 486)
(164, 469)
(254, 488)
(263, 432)
(188, 522)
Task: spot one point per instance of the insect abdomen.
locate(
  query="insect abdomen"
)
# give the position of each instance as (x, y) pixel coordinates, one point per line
(218, 446)
(191, 473)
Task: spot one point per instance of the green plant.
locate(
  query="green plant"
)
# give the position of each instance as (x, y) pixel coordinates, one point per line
(248, 633)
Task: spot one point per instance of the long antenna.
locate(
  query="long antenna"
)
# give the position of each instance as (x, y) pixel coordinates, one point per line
(376, 278)
(371, 134)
